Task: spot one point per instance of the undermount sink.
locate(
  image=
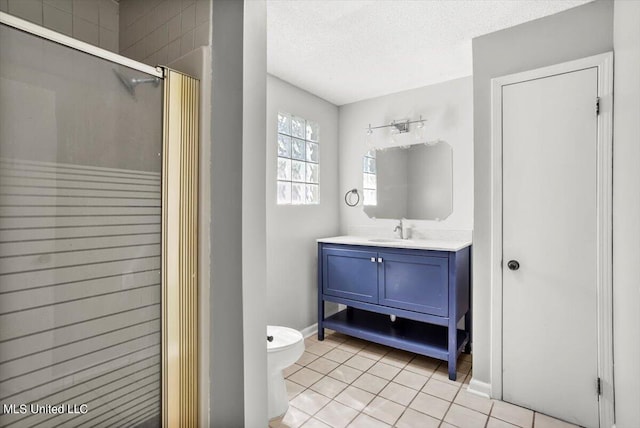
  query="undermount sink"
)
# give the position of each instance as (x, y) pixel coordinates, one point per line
(387, 240)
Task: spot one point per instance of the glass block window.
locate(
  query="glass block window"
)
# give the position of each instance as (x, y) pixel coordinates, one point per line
(298, 161)
(369, 179)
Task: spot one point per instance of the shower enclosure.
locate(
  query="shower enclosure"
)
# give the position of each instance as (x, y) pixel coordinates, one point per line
(83, 218)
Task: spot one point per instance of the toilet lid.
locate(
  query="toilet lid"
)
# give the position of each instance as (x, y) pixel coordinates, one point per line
(283, 337)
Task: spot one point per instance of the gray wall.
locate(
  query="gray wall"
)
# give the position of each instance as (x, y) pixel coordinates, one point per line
(626, 212)
(238, 358)
(447, 107)
(293, 229)
(254, 263)
(226, 352)
(576, 33)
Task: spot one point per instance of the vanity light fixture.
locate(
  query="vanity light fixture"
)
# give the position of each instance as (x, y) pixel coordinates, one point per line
(398, 127)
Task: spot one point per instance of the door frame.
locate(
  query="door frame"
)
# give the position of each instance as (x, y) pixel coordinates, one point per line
(604, 65)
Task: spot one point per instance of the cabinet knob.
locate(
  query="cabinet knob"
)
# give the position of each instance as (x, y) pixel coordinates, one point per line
(373, 259)
(379, 259)
(513, 265)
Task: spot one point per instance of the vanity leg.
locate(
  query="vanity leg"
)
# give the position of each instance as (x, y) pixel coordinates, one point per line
(453, 348)
(467, 328)
(452, 366)
(320, 299)
(320, 318)
(452, 369)
(467, 318)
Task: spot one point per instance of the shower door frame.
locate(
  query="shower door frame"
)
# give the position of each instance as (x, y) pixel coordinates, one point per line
(53, 36)
(179, 251)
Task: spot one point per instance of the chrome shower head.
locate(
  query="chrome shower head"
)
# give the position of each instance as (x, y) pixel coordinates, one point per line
(130, 83)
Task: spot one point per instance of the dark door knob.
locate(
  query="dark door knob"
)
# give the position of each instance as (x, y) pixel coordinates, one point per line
(513, 265)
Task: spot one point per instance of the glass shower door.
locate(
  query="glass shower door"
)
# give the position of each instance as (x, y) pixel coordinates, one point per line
(80, 223)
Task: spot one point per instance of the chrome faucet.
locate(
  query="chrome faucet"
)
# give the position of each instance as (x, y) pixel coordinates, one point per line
(405, 231)
(400, 228)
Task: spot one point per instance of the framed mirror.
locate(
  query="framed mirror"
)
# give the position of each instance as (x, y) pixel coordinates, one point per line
(414, 182)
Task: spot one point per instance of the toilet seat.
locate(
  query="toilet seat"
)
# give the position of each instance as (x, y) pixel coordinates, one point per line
(283, 338)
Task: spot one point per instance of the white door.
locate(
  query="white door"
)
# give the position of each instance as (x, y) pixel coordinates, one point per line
(550, 229)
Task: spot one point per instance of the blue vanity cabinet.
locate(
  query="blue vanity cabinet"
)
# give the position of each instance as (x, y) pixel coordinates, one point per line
(414, 282)
(429, 292)
(350, 273)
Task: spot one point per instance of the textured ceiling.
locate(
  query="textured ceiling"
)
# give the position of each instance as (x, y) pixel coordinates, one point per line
(349, 50)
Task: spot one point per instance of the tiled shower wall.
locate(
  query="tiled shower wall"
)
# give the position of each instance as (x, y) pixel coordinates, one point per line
(92, 21)
(158, 32)
(155, 32)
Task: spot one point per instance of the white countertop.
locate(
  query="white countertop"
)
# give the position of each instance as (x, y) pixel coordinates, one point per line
(418, 244)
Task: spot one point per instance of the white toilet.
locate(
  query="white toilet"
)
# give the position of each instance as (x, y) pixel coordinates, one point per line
(284, 349)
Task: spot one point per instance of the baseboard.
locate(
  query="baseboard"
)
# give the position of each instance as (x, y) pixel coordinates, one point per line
(482, 389)
(309, 331)
(313, 329)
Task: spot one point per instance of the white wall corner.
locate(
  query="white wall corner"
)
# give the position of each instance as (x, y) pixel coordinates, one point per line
(309, 331)
(483, 389)
(313, 329)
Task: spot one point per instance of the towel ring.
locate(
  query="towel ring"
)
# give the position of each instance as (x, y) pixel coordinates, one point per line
(348, 199)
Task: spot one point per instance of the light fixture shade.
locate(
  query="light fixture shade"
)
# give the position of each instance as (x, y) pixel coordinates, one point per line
(394, 133)
(419, 134)
(368, 139)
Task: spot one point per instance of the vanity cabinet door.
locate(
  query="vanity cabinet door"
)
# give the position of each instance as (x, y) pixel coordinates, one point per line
(350, 274)
(415, 283)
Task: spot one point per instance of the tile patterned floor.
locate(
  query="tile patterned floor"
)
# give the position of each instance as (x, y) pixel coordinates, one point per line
(346, 382)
